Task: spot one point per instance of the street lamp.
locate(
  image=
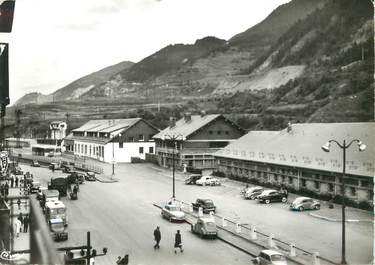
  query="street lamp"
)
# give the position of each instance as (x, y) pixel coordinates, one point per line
(326, 148)
(174, 138)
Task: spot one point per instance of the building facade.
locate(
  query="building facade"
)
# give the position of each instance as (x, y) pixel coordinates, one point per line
(57, 130)
(293, 157)
(112, 141)
(193, 139)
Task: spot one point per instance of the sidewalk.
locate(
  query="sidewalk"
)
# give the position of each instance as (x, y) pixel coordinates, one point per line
(335, 215)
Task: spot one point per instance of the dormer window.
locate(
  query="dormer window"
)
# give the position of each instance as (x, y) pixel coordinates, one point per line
(141, 137)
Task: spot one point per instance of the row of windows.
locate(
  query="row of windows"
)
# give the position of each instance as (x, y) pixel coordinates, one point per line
(218, 132)
(89, 150)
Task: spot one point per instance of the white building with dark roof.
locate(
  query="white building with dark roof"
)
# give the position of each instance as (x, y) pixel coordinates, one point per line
(294, 157)
(193, 139)
(117, 140)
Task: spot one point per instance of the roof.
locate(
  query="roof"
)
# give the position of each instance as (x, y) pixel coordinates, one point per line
(301, 147)
(56, 220)
(106, 126)
(184, 128)
(55, 204)
(87, 139)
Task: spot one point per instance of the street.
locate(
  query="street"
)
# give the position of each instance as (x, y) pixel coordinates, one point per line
(121, 216)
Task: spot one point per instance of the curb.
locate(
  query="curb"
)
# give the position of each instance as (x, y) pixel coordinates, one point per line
(338, 220)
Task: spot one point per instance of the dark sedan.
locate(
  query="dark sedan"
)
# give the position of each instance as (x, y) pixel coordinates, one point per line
(268, 196)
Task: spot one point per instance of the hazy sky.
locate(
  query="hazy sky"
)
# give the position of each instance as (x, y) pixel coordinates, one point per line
(54, 42)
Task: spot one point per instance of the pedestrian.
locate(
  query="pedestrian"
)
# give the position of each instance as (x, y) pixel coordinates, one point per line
(6, 189)
(17, 227)
(19, 203)
(12, 181)
(178, 242)
(20, 218)
(118, 260)
(2, 190)
(17, 181)
(26, 222)
(157, 237)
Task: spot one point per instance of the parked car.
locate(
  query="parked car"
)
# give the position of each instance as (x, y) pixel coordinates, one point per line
(90, 176)
(253, 192)
(17, 171)
(192, 179)
(67, 168)
(206, 204)
(54, 166)
(76, 177)
(270, 257)
(39, 194)
(208, 180)
(204, 227)
(51, 154)
(172, 212)
(268, 196)
(305, 203)
(35, 185)
(35, 163)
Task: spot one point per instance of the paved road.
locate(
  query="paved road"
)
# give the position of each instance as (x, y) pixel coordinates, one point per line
(121, 216)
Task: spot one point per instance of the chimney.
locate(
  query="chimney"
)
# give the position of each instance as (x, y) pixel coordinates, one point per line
(172, 122)
(203, 113)
(187, 116)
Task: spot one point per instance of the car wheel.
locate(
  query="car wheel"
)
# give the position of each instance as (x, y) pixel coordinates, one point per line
(300, 208)
(283, 199)
(192, 228)
(267, 201)
(252, 197)
(317, 207)
(204, 184)
(170, 219)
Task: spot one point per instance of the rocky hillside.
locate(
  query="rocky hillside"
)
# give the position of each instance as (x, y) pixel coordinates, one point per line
(308, 61)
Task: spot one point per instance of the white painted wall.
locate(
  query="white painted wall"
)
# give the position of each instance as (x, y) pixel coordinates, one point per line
(131, 149)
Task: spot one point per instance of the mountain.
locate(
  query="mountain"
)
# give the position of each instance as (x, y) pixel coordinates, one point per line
(308, 61)
(76, 89)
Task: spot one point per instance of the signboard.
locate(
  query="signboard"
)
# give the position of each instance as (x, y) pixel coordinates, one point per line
(3, 162)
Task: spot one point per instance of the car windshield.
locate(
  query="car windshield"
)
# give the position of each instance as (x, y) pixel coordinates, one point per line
(277, 257)
(208, 202)
(57, 226)
(174, 208)
(299, 200)
(210, 225)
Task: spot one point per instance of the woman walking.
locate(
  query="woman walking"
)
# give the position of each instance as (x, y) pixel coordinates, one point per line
(178, 242)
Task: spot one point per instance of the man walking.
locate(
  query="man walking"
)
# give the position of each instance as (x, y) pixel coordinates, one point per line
(26, 223)
(157, 237)
(178, 242)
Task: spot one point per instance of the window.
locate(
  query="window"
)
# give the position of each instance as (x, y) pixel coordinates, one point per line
(151, 149)
(121, 145)
(352, 191)
(85, 149)
(303, 182)
(75, 147)
(330, 187)
(219, 132)
(317, 185)
(141, 150)
(131, 139)
(226, 132)
(150, 137)
(210, 132)
(141, 137)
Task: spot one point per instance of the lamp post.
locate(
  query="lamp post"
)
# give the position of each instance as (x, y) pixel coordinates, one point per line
(343, 146)
(174, 138)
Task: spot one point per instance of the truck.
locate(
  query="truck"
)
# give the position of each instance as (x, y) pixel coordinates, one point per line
(59, 183)
(56, 209)
(48, 196)
(57, 229)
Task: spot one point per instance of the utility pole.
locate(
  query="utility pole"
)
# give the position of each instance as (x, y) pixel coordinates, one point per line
(18, 122)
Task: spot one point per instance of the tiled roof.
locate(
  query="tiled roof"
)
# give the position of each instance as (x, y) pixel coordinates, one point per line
(106, 126)
(183, 128)
(301, 147)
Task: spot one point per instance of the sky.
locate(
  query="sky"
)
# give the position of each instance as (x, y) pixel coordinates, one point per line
(54, 42)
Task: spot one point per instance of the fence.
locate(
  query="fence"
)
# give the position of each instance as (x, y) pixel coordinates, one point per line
(250, 234)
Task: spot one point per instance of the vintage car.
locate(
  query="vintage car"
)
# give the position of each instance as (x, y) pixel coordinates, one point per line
(54, 166)
(268, 196)
(305, 203)
(35, 185)
(57, 229)
(35, 163)
(76, 177)
(270, 257)
(206, 204)
(39, 194)
(172, 212)
(253, 192)
(208, 180)
(205, 227)
(67, 168)
(90, 176)
(192, 179)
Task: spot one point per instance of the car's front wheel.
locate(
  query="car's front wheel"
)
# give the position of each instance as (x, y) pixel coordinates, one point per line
(317, 207)
(300, 208)
(267, 201)
(283, 199)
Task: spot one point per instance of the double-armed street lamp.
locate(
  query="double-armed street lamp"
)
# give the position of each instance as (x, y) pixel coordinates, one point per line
(173, 138)
(326, 148)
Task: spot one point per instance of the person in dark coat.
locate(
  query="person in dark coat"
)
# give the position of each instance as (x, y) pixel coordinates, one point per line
(125, 260)
(6, 189)
(2, 190)
(177, 242)
(12, 181)
(19, 204)
(26, 222)
(17, 179)
(157, 237)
